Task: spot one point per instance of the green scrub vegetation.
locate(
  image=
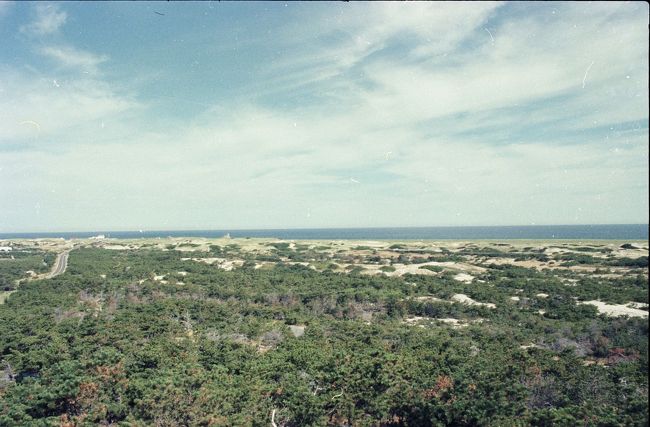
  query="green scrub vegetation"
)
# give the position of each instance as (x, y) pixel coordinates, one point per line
(143, 337)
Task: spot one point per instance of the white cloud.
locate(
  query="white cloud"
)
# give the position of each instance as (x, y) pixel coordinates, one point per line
(38, 108)
(48, 20)
(525, 61)
(438, 27)
(261, 171)
(70, 57)
(494, 133)
(332, 46)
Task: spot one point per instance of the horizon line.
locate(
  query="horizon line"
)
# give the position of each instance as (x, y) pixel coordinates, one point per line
(155, 230)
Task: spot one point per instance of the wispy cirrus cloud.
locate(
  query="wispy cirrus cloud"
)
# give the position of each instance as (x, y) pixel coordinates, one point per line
(37, 109)
(48, 19)
(72, 58)
(340, 42)
(40, 105)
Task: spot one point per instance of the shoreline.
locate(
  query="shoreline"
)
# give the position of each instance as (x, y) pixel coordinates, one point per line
(190, 239)
(596, 232)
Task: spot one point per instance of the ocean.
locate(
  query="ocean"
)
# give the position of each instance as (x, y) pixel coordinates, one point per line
(531, 232)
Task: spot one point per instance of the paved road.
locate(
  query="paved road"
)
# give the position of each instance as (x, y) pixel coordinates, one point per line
(60, 264)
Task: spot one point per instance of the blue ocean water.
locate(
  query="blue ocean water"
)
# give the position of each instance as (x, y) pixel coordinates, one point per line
(587, 232)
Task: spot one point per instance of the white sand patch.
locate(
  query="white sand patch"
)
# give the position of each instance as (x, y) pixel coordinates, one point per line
(458, 298)
(4, 295)
(182, 273)
(616, 310)
(297, 330)
(529, 263)
(204, 260)
(230, 265)
(371, 243)
(400, 269)
(464, 277)
(416, 268)
(222, 263)
(584, 268)
(531, 345)
(116, 247)
(450, 320)
(456, 323)
(188, 248)
(514, 298)
(542, 312)
(634, 254)
(458, 266)
(427, 298)
(551, 251)
(500, 261)
(639, 305)
(160, 279)
(541, 295)
(464, 299)
(415, 319)
(263, 264)
(103, 276)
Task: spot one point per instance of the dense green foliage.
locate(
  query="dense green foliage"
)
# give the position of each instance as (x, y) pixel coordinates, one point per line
(13, 266)
(110, 341)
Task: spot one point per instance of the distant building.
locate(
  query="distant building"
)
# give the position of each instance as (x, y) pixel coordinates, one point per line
(98, 237)
(6, 248)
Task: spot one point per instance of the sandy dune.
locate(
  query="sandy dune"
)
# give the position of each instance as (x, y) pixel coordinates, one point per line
(464, 299)
(423, 321)
(617, 310)
(464, 277)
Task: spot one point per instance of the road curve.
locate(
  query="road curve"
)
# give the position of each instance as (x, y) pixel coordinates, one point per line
(60, 264)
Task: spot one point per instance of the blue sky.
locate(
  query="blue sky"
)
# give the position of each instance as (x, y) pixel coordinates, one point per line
(177, 115)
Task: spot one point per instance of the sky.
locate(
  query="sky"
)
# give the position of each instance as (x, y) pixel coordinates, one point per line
(218, 115)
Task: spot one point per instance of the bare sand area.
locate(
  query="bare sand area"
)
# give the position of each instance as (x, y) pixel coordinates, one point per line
(423, 322)
(617, 310)
(398, 258)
